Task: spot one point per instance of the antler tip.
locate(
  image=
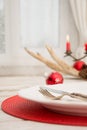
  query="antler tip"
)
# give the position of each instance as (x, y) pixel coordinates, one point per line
(25, 49)
(48, 47)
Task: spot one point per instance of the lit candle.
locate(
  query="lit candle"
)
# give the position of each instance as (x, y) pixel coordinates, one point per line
(85, 46)
(68, 46)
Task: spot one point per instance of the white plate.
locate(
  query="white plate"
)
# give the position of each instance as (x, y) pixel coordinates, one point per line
(67, 105)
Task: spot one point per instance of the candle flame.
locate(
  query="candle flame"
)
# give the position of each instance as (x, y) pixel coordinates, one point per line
(67, 38)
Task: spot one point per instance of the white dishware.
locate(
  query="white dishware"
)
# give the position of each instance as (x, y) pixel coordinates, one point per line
(66, 105)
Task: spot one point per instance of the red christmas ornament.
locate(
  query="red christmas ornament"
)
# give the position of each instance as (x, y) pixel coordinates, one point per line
(54, 78)
(86, 47)
(78, 65)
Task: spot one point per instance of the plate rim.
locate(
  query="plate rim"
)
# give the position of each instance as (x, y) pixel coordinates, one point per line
(54, 102)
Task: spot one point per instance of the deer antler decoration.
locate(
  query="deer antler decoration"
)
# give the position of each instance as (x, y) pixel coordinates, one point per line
(58, 65)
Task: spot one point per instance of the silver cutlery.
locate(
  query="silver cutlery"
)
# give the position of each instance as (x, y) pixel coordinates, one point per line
(47, 93)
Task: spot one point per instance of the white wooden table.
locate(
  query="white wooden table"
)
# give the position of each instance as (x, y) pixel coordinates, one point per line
(9, 86)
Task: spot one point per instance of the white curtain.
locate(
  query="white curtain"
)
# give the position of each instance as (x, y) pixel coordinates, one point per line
(79, 10)
(39, 22)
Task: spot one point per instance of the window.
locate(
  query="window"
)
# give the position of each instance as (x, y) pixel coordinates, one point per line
(13, 36)
(39, 22)
(11, 23)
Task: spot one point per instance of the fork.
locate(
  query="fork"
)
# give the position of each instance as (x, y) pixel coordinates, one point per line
(48, 94)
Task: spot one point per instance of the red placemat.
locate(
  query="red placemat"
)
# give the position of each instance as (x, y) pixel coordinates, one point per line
(29, 110)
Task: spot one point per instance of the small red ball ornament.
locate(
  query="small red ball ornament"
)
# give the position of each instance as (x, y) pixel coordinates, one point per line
(54, 78)
(78, 65)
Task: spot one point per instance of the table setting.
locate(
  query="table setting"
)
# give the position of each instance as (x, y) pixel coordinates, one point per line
(30, 104)
(56, 102)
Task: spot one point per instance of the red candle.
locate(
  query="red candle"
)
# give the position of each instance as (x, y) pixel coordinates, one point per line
(68, 46)
(85, 46)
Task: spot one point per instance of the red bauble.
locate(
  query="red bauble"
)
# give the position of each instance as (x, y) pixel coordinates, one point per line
(54, 78)
(78, 65)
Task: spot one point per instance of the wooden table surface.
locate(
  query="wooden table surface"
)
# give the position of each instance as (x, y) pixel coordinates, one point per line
(9, 86)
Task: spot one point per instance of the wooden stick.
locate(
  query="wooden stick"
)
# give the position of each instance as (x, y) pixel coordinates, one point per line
(54, 66)
(68, 69)
(49, 63)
